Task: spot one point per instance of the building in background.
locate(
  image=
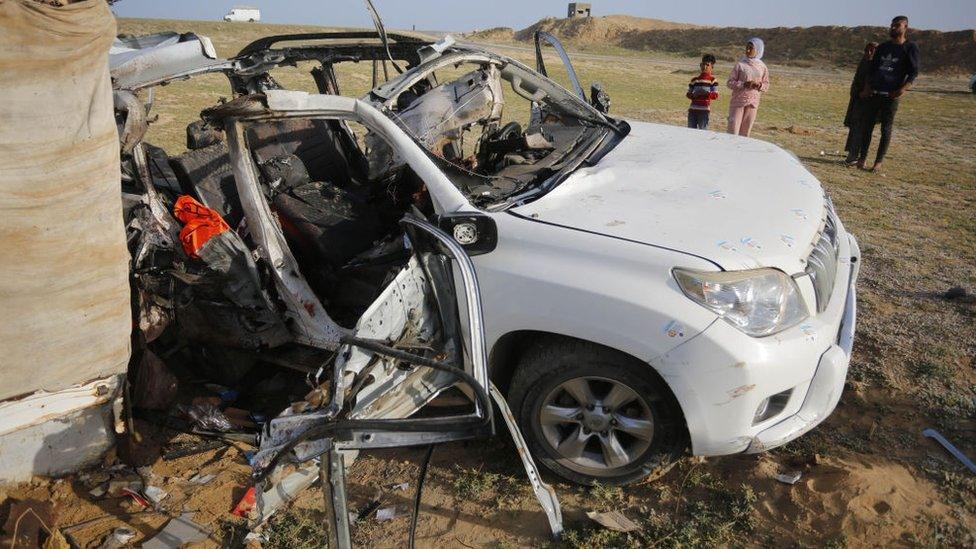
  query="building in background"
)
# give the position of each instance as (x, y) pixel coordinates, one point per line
(578, 9)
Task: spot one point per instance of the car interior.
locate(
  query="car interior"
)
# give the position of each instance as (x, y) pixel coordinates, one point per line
(339, 192)
(495, 136)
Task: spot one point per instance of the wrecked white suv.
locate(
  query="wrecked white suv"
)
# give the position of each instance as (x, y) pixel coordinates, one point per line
(635, 300)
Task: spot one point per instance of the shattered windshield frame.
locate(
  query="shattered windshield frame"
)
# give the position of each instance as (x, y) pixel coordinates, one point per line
(597, 133)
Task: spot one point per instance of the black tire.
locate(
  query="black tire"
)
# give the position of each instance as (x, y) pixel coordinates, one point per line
(545, 367)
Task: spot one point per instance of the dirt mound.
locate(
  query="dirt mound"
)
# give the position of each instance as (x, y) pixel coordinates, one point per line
(612, 29)
(942, 52)
(494, 34)
(852, 498)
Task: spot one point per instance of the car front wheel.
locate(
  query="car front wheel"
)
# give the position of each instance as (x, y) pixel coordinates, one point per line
(591, 414)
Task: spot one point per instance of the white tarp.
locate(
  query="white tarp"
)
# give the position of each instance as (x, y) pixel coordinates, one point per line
(64, 296)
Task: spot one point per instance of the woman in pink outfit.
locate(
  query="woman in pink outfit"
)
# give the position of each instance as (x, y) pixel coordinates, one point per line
(748, 80)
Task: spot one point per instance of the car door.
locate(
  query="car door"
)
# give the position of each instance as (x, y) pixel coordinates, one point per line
(598, 96)
(423, 297)
(542, 38)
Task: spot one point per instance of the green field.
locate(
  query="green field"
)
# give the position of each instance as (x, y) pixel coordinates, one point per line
(869, 475)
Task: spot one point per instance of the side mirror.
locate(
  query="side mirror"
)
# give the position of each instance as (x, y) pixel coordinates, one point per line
(599, 98)
(476, 233)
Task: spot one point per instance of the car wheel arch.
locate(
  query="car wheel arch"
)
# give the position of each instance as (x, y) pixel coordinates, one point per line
(505, 354)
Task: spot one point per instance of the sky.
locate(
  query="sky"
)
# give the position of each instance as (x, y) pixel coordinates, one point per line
(465, 15)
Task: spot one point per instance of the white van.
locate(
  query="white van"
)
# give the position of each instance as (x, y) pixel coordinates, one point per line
(243, 13)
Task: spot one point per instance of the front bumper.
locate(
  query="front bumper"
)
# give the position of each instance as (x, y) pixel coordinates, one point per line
(828, 381)
(721, 376)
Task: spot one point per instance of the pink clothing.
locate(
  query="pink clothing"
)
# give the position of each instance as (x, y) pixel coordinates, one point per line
(741, 119)
(744, 71)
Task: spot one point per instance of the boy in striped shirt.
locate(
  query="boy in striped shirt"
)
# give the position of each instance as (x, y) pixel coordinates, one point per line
(702, 90)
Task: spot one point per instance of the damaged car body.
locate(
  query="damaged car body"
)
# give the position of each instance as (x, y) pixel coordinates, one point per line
(221, 264)
(433, 237)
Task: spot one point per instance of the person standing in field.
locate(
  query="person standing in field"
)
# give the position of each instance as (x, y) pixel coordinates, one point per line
(748, 80)
(702, 90)
(893, 70)
(860, 77)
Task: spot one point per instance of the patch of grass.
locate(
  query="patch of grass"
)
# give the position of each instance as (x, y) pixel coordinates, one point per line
(838, 542)
(470, 483)
(720, 519)
(896, 438)
(606, 497)
(496, 491)
(813, 443)
(702, 478)
(720, 516)
(949, 404)
(854, 441)
(232, 532)
(296, 528)
(945, 534)
(960, 490)
(933, 370)
(868, 372)
(588, 537)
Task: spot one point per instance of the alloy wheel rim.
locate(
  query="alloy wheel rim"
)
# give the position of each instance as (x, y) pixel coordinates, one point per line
(596, 425)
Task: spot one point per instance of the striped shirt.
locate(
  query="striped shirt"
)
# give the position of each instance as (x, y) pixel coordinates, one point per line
(702, 90)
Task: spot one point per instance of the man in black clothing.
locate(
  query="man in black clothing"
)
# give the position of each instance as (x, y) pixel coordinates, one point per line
(893, 71)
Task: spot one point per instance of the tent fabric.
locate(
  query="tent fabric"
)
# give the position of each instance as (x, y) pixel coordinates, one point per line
(64, 292)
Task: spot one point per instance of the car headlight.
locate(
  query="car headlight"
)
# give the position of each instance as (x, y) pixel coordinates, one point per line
(760, 302)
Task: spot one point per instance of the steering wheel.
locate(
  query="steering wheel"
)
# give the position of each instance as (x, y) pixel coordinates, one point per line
(508, 131)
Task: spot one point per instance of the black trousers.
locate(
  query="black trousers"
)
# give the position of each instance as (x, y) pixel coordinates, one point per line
(880, 108)
(698, 119)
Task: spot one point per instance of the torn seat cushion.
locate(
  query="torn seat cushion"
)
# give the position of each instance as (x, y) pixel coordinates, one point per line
(284, 172)
(317, 143)
(207, 174)
(325, 223)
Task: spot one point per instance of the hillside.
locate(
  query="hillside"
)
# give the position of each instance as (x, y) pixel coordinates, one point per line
(942, 52)
(610, 29)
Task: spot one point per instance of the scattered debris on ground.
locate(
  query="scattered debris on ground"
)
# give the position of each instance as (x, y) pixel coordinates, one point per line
(613, 520)
(789, 478)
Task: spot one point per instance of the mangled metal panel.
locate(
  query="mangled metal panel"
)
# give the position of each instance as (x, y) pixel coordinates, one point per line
(439, 117)
(141, 61)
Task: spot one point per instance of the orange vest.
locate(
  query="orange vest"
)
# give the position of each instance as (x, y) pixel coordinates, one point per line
(200, 224)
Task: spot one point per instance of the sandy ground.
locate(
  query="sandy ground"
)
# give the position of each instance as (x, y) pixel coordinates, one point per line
(868, 476)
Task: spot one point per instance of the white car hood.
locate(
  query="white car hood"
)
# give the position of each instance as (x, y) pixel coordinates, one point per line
(739, 202)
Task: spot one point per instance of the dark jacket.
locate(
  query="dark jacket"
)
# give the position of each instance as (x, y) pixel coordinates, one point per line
(894, 65)
(860, 77)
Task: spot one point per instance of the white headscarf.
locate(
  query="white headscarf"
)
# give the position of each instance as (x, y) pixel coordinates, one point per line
(757, 43)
